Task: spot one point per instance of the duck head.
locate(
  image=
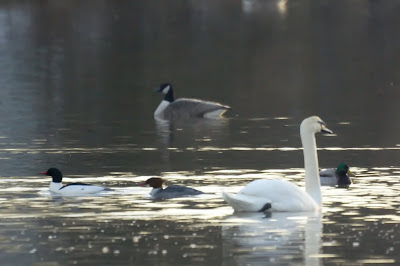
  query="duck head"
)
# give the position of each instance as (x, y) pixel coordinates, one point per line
(154, 182)
(54, 173)
(343, 172)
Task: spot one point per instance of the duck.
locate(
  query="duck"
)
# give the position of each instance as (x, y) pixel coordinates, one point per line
(279, 195)
(72, 189)
(172, 191)
(339, 176)
(169, 108)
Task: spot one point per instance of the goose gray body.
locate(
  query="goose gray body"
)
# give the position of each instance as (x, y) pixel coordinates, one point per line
(185, 108)
(170, 108)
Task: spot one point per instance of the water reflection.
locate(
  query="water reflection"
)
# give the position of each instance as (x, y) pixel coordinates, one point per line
(252, 7)
(192, 130)
(279, 238)
(75, 79)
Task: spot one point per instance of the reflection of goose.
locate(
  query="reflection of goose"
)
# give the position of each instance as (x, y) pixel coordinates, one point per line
(279, 239)
(282, 195)
(73, 189)
(170, 108)
(173, 191)
(338, 176)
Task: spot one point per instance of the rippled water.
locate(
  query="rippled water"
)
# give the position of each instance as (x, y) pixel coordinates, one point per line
(76, 93)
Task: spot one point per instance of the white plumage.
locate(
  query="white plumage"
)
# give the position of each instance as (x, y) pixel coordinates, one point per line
(281, 195)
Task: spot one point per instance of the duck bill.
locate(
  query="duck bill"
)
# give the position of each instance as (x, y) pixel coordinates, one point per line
(325, 129)
(43, 173)
(142, 184)
(349, 173)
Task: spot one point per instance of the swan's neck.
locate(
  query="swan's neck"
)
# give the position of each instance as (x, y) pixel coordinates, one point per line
(313, 186)
(55, 186)
(161, 107)
(154, 191)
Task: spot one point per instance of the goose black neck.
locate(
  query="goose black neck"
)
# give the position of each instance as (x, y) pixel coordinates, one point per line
(169, 97)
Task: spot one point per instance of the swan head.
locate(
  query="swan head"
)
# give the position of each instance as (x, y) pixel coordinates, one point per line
(314, 124)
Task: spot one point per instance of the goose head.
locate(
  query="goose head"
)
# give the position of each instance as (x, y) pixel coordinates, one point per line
(54, 173)
(166, 89)
(313, 125)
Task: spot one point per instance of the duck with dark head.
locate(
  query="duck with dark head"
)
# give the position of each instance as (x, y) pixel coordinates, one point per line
(172, 191)
(339, 176)
(72, 189)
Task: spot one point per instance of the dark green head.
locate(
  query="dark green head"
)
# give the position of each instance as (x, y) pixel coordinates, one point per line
(343, 169)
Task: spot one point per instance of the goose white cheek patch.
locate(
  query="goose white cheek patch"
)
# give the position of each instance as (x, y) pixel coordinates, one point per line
(166, 89)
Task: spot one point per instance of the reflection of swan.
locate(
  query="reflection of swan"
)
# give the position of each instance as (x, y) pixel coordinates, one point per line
(170, 108)
(336, 176)
(282, 195)
(282, 238)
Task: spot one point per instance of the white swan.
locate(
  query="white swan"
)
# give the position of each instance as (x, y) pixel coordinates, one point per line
(281, 195)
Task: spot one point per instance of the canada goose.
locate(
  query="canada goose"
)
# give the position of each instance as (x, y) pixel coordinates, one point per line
(169, 108)
(281, 195)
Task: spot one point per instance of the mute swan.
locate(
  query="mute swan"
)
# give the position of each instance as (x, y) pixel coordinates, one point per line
(169, 108)
(172, 191)
(281, 195)
(73, 189)
(339, 176)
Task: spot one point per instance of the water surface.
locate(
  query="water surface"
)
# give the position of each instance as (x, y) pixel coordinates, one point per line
(76, 93)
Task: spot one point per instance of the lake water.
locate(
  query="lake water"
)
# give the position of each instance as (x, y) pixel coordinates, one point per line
(76, 93)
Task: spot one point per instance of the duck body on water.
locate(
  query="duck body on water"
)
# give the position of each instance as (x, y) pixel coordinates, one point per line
(279, 195)
(339, 176)
(172, 191)
(72, 189)
(185, 108)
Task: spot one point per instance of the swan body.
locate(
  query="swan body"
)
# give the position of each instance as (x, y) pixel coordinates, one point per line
(173, 191)
(339, 176)
(72, 189)
(279, 195)
(169, 108)
(273, 197)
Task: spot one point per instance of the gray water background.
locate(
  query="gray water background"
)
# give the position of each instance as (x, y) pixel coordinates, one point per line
(76, 92)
